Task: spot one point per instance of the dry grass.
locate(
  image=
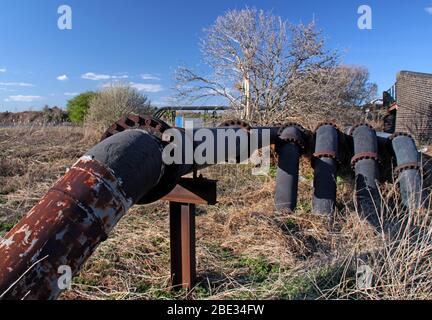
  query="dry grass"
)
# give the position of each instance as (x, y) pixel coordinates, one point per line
(245, 250)
(31, 160)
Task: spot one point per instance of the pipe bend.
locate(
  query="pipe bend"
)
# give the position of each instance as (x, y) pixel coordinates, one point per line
(325, 166)
(365, 164)
(408, 170)
(136, 158)
(289, 149)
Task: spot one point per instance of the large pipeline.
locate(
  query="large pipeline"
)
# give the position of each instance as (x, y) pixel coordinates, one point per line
(77, 214)
(365, 164)
(82, 208)
(287, 175)
(127, 167)
(325, 166)
(408, 170)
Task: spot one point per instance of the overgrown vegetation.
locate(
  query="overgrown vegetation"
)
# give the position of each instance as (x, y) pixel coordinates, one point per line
(269, 71)
(245, 250)
(78, 106)
(112, 103)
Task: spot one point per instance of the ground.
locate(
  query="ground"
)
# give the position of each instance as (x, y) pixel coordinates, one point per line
(244, 248)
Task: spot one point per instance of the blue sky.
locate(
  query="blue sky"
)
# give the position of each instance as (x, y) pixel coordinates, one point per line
(142, 42)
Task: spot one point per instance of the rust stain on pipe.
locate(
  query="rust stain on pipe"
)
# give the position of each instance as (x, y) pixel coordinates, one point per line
(64, 228)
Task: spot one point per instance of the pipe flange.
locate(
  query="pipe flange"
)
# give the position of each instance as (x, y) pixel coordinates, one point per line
(295, 141)
(327, 123)
(400, 134)
(361, 124)
(282, 127)
(154, 126)
(236, 123)
(292, 137)
(407, 166)
(365, 156)
(325, 154)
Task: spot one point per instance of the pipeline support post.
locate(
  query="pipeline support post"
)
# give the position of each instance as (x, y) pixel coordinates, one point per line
(183, 200)
(182, 241)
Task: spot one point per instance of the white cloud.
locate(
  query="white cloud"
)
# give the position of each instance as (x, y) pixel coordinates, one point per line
(429, 9)
(71, 94)
(97, 77)
(120, 77)
(63, 77)
(146, 87)
(3, 70)
(21, 98)
(147, 76)
(16, 84)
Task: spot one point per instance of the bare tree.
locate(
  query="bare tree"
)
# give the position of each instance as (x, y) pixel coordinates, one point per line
(267, 68)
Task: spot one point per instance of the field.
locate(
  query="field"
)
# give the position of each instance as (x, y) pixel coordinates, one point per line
(245, 250)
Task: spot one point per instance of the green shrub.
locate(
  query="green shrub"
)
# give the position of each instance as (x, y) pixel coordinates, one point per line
(78, 106)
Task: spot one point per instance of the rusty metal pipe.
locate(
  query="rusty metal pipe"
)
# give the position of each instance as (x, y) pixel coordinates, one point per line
(77, 214)
(408, 170)
(81, 209)
(325, 167)
(365, 164)
(287, 175)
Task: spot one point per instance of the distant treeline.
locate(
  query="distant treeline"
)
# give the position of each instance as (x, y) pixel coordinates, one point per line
(47, 115)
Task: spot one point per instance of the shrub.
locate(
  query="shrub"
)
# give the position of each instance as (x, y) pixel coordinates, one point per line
(114, 102)
(78, 106)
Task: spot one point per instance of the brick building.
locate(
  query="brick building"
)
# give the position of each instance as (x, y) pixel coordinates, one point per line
(414, 104)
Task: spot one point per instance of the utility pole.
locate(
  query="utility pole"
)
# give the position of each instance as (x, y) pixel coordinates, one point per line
(246, 88)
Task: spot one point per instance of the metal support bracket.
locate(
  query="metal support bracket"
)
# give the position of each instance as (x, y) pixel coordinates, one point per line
(183, 200)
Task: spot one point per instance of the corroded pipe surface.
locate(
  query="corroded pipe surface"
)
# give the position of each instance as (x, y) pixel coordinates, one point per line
(325, 166)
(83, 207)
(287, 175)
(408, 170)
(77, 214)
(365, 163)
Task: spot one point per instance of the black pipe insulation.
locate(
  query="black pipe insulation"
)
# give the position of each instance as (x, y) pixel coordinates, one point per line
(136, 158)
(287, 175)
(408, 170)
(325, 166)
(365, 163)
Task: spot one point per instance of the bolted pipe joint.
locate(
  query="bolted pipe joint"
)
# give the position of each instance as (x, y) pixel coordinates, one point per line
(408, 170)
(365, 163)
(289, 148)
(324, 162)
